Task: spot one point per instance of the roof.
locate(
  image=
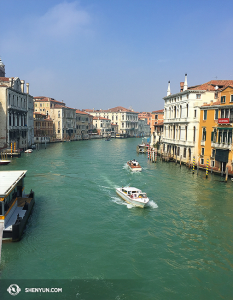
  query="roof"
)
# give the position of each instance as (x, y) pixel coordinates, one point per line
(210, 85)
(8, 181)
(114, 109)
(47, 99)
(211, 104)
(81, 112)
(4, 78)
(157, 111)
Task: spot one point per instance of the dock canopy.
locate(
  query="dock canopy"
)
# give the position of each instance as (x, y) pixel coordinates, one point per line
(8, 181)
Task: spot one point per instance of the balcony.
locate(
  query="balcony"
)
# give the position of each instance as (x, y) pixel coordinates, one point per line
(202, 143)
(13, 107)
(226, 146)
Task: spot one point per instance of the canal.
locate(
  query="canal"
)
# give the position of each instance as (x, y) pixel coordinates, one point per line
(83, 238)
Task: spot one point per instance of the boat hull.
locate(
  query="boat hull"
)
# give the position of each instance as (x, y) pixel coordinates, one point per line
(130, 200)
(134, 168)
(4, 162)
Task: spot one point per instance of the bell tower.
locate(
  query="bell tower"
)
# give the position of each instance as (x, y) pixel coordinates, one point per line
(2, 69)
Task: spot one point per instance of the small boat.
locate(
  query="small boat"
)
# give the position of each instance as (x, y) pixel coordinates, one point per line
(4, 161)
(28, 151)
(108, 139)
(134, 165)
(133, 196)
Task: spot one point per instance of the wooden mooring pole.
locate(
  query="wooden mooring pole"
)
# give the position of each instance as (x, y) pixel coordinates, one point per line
(207, 168)
(226, 174)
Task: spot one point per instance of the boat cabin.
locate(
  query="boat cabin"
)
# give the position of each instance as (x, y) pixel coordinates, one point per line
(133, 192)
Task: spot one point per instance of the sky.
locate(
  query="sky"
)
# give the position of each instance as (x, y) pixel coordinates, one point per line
(106, 53)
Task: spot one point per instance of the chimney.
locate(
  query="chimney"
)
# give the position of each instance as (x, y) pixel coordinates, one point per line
(22, 86)
(27, 84)
(10, 80)
(185, 83)
(181, 86)
(168, 89)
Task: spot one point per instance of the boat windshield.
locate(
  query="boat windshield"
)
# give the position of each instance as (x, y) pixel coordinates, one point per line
(142, 195)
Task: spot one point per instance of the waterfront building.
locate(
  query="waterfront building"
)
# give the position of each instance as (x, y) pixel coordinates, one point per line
(64, 118)
(145, 115)
(114, 130)
(84, 125)
(182, 115)
(103, 126)
(126, 119)
(215, 136)
(143, 127)
(16, 113)
(43, 128)
(156, 126)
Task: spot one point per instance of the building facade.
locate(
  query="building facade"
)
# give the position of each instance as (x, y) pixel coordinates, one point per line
(143, 127)
(182, 115)
(16, 114)
(125, 119)
(64, 118)
(156, 126)
(215, 137)
(103, 126)
(43, 128)
(83, 125)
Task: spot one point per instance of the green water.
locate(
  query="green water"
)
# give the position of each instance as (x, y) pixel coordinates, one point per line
(85, 237)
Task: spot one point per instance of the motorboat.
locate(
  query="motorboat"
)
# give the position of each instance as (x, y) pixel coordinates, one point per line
(133, 196)
(134, 165)
(28, 151)
(4, 161)
(143, 147)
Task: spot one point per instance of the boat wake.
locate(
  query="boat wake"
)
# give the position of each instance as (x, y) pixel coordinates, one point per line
(152, 204)
(125, 166)
(119, 201)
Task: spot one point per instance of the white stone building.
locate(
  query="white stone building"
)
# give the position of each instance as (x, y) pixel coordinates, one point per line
(16, 114)
(103, 126)
(125, 119)
(181, 120)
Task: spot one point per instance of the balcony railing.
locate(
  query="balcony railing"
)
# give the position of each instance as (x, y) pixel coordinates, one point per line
(221, 145)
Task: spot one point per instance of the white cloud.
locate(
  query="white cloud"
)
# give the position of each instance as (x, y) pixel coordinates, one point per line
(63, 20)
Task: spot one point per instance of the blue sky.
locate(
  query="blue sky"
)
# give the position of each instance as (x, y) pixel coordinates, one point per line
(105, 53)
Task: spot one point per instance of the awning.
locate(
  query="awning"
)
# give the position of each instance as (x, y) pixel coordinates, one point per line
(225, 128)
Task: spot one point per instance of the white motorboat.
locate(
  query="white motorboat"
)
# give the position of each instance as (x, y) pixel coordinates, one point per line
(134, 165)
(133, 196)
(28, 151)
(4, 161)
